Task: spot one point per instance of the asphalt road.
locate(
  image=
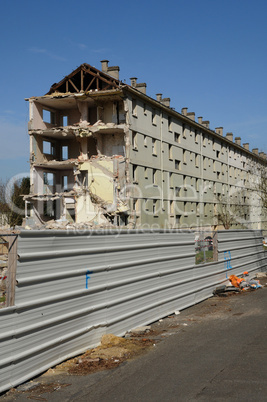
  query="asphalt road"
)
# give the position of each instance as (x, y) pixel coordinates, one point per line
(214, 351)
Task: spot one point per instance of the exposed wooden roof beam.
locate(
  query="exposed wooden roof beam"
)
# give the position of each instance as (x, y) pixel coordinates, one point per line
(88, 87)
(74, 86)
(83, 71)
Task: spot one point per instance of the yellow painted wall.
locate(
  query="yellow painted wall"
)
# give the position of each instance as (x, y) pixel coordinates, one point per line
(100, 181)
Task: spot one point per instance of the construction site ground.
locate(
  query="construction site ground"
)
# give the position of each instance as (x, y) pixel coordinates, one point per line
(215, 350)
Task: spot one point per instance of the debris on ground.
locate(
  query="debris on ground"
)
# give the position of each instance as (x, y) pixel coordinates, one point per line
(141, 330)
(261, 275)
(112, 351)
(236, 284)
(245, 282)
(223, 290)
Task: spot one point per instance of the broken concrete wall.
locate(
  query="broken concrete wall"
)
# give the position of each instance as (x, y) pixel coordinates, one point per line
(36, 148)
(100, 178)
(111, 144)
(81, 129)
(40, 120)
(98, 190)
(84, 208)
(109, 112)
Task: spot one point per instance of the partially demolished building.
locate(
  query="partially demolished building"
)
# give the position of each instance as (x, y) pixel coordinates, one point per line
(102, 151)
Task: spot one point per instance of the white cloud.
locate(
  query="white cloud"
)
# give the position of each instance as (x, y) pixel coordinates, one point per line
(101, 50)
(46, 53)
(14, 140)
(82, 46)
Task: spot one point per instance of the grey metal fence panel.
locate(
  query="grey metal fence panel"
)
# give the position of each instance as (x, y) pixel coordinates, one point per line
(72, 288)
(241, 250)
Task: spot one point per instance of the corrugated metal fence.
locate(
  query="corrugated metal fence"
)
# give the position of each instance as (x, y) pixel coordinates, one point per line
(71, 288)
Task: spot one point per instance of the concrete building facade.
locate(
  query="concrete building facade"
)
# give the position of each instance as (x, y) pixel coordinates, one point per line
(103, 152)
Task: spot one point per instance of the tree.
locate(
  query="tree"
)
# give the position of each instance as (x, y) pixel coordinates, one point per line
(232, 209)
(12, 203)
(258, 182)
(262, 187)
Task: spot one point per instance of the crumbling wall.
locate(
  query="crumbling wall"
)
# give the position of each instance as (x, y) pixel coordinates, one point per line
(100, 178)
(111, 144)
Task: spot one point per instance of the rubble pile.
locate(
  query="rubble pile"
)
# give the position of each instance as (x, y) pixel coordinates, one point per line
(112, 351)
(237, 284)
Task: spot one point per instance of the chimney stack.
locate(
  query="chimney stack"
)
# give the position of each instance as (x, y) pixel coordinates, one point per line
(166, 101)
(255, 151)
(238, 140)
(104, 65)
(246, 146)
(219, 130)
(184, 111)
(206, 123)
(200, 119)
(114, 72)
(262, 155)
(159, 97)
(133, 81)
(191, 115)
(141, 87)
(230, 136)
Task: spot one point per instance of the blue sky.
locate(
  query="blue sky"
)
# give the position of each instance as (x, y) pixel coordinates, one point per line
(206, 55)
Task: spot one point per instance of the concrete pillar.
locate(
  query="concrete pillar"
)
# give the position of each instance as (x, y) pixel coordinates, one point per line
(83, 109)
(84, 148)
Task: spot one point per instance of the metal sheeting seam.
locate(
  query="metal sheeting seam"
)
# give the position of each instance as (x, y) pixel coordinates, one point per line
(107, 323)
(108, 286)
(237, 239)
(73, 253)
(108, 305)
(239, 248)
(47, 345)
(26, 281)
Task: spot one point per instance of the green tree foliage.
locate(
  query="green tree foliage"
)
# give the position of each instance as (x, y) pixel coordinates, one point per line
(13, 209)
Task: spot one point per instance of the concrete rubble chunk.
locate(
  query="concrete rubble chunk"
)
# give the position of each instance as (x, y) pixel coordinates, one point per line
(141, 330)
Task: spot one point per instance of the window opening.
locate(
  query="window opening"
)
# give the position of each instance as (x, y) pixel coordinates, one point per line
(48, 148)
(65, 152)
(65, 182)
(48, 117)
(65, 121)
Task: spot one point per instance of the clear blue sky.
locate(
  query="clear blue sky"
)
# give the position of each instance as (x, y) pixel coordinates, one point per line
(209, 56)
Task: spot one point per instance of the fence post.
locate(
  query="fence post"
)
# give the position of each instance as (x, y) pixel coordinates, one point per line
(11, 270)
(215, 246)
